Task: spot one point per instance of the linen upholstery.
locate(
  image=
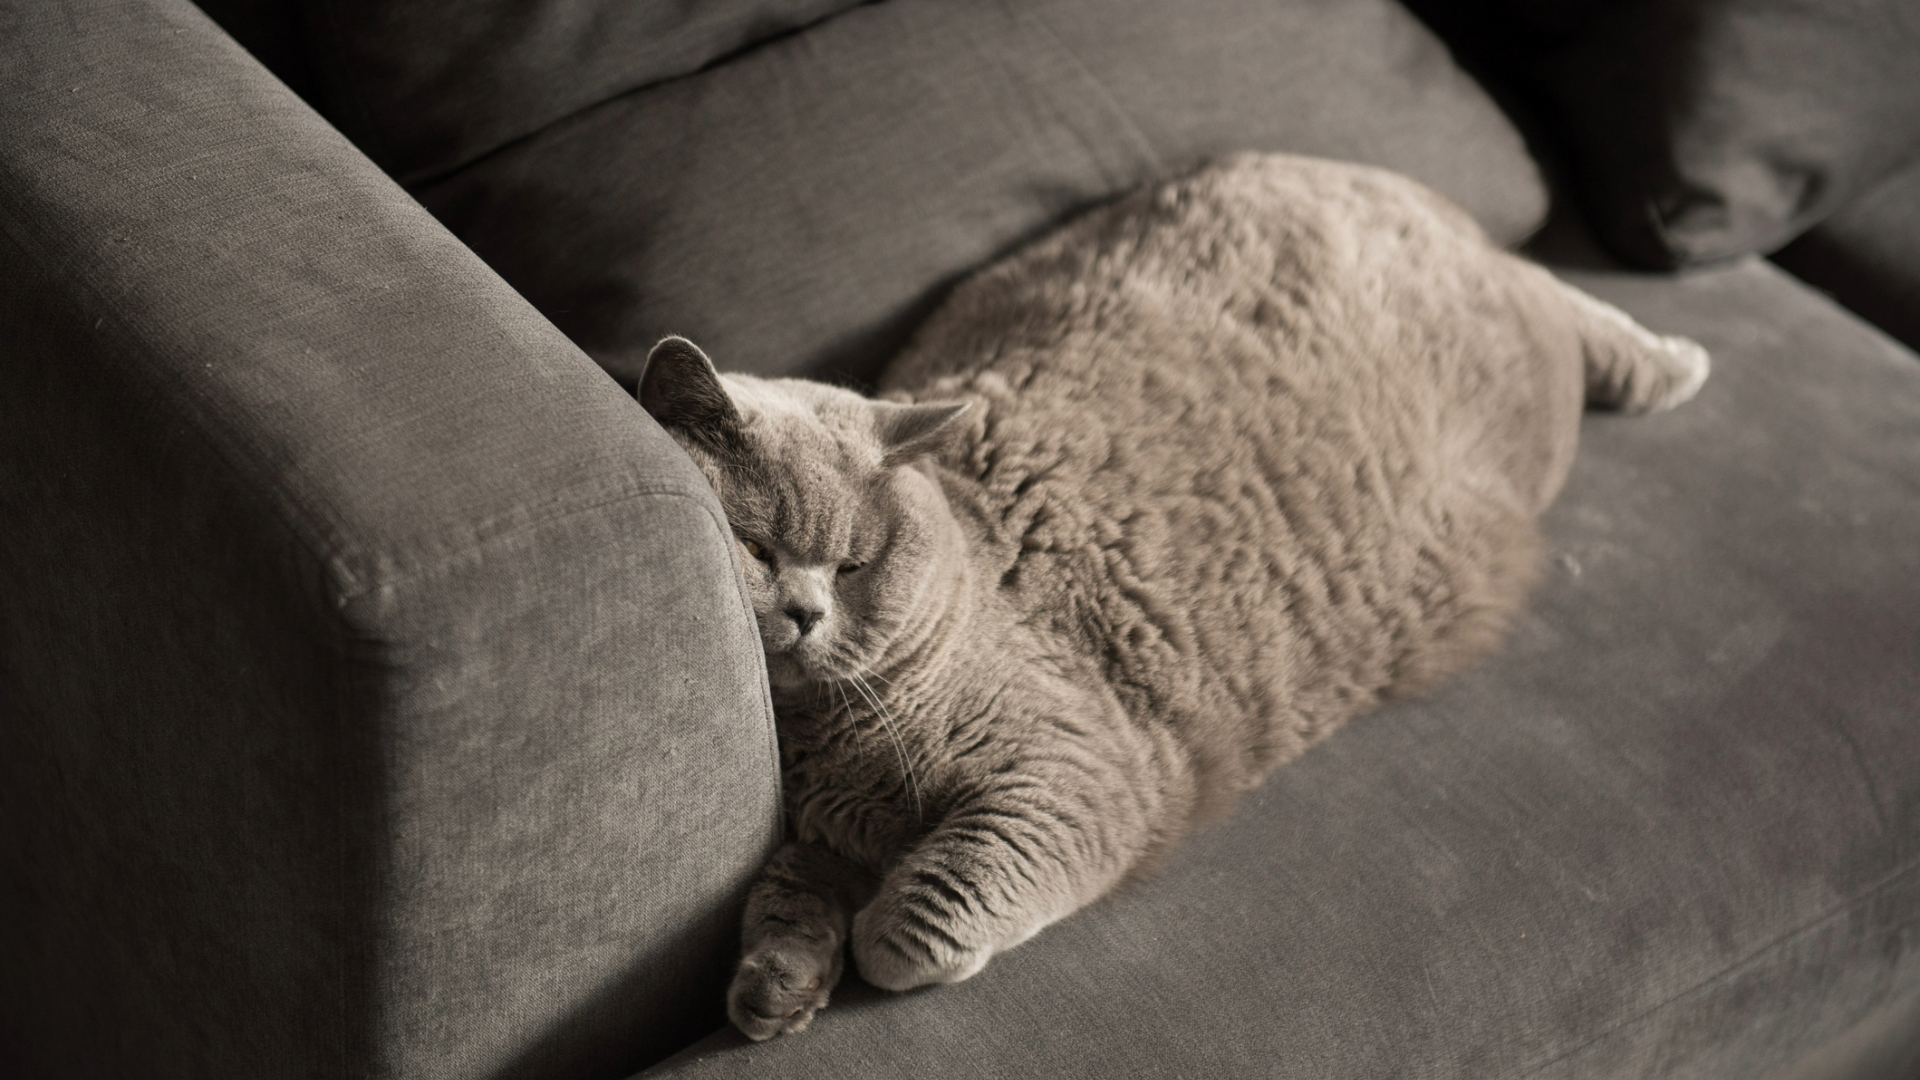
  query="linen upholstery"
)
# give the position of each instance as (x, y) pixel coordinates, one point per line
(1672, 829)
(797, 208)
(379, 696)
(1867, 255)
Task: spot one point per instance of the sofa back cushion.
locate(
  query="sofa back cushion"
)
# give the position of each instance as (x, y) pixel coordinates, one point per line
(799, 206)
(424, 88)
(1706, 129)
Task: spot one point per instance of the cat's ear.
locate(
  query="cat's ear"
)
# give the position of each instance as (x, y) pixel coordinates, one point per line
(911, 431)
(680, 388)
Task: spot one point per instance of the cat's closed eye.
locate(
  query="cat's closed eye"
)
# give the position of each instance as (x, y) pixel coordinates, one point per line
(850, 567)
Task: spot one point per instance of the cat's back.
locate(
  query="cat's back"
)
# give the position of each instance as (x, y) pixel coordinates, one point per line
(1268, 292)
(1255, 438)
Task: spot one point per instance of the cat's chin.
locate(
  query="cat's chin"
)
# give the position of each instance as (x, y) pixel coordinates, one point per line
(784, 672)
(789, 673)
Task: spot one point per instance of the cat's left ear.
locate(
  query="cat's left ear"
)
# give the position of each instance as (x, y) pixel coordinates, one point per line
(681, 389)
(908, 432)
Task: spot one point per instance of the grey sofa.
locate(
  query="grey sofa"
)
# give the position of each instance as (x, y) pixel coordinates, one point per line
(379, 698)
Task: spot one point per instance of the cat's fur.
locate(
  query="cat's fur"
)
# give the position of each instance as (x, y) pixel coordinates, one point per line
(1160, 501)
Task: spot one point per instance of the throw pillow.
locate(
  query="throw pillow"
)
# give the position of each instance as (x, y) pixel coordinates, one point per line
(1706, 129)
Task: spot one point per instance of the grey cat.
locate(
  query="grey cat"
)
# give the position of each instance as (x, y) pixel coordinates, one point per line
(1157, 503)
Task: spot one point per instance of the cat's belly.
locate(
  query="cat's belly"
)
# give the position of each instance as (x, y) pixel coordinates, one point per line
(1253, 598)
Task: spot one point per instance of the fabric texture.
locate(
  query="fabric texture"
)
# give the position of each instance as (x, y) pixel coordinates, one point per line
(801, 206)
(380, 696)
(1868, 255)
(1671, 830)
(1699, 130)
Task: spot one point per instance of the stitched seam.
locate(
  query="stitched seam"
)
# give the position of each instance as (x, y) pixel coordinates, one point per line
(1787, 937)
(314, 534)
(722, 529)
(311, 533)
(489, 532)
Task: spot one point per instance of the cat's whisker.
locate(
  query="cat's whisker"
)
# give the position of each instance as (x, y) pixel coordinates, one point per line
(845, 702)
(886, 721)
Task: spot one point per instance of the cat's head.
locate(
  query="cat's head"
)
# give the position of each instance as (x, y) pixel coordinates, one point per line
(847, 548)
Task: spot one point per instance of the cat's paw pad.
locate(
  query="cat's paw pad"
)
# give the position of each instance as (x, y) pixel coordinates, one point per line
(899, 953)
(777, 990)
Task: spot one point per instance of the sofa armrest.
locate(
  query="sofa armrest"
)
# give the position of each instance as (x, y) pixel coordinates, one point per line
(380, 696)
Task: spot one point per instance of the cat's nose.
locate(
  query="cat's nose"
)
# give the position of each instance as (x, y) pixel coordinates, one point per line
(804, 617)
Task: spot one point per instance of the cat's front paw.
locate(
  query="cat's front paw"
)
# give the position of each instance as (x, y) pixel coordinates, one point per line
(897, 946)
(780, 985)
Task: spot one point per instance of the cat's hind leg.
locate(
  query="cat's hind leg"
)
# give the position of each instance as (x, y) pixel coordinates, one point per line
(793, 939)
(1629, 367)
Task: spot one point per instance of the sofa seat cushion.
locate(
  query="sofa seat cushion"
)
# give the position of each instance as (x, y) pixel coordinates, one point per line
(1868, 256)
(799, 207)
(1671, 830)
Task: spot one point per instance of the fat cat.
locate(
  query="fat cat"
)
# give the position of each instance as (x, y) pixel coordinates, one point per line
(1145, 510)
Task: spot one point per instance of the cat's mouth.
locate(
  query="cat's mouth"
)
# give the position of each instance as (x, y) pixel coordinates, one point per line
(800, 661)
(786, 672)
(802, 665)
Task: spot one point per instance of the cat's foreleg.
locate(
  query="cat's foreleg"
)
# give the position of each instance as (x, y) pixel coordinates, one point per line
(1000, 868)
(793, 939)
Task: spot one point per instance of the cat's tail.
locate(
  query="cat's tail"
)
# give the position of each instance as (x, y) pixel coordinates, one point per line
(1629, 367)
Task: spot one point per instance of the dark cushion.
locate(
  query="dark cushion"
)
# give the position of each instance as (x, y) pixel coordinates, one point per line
(1868, 255)
(1671, 830)
(799, 207)
(1699, 130)
(378, 695)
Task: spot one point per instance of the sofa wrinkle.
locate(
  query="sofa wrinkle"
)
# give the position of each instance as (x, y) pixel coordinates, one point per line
(1864, 770)
(1122, 117)
(1818, 922)
(421, 181)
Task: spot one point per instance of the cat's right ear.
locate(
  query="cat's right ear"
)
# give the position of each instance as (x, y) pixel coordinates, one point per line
(681, 389)
(913, 431)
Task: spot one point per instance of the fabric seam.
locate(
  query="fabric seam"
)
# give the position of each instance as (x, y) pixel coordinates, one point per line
(364, 580)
